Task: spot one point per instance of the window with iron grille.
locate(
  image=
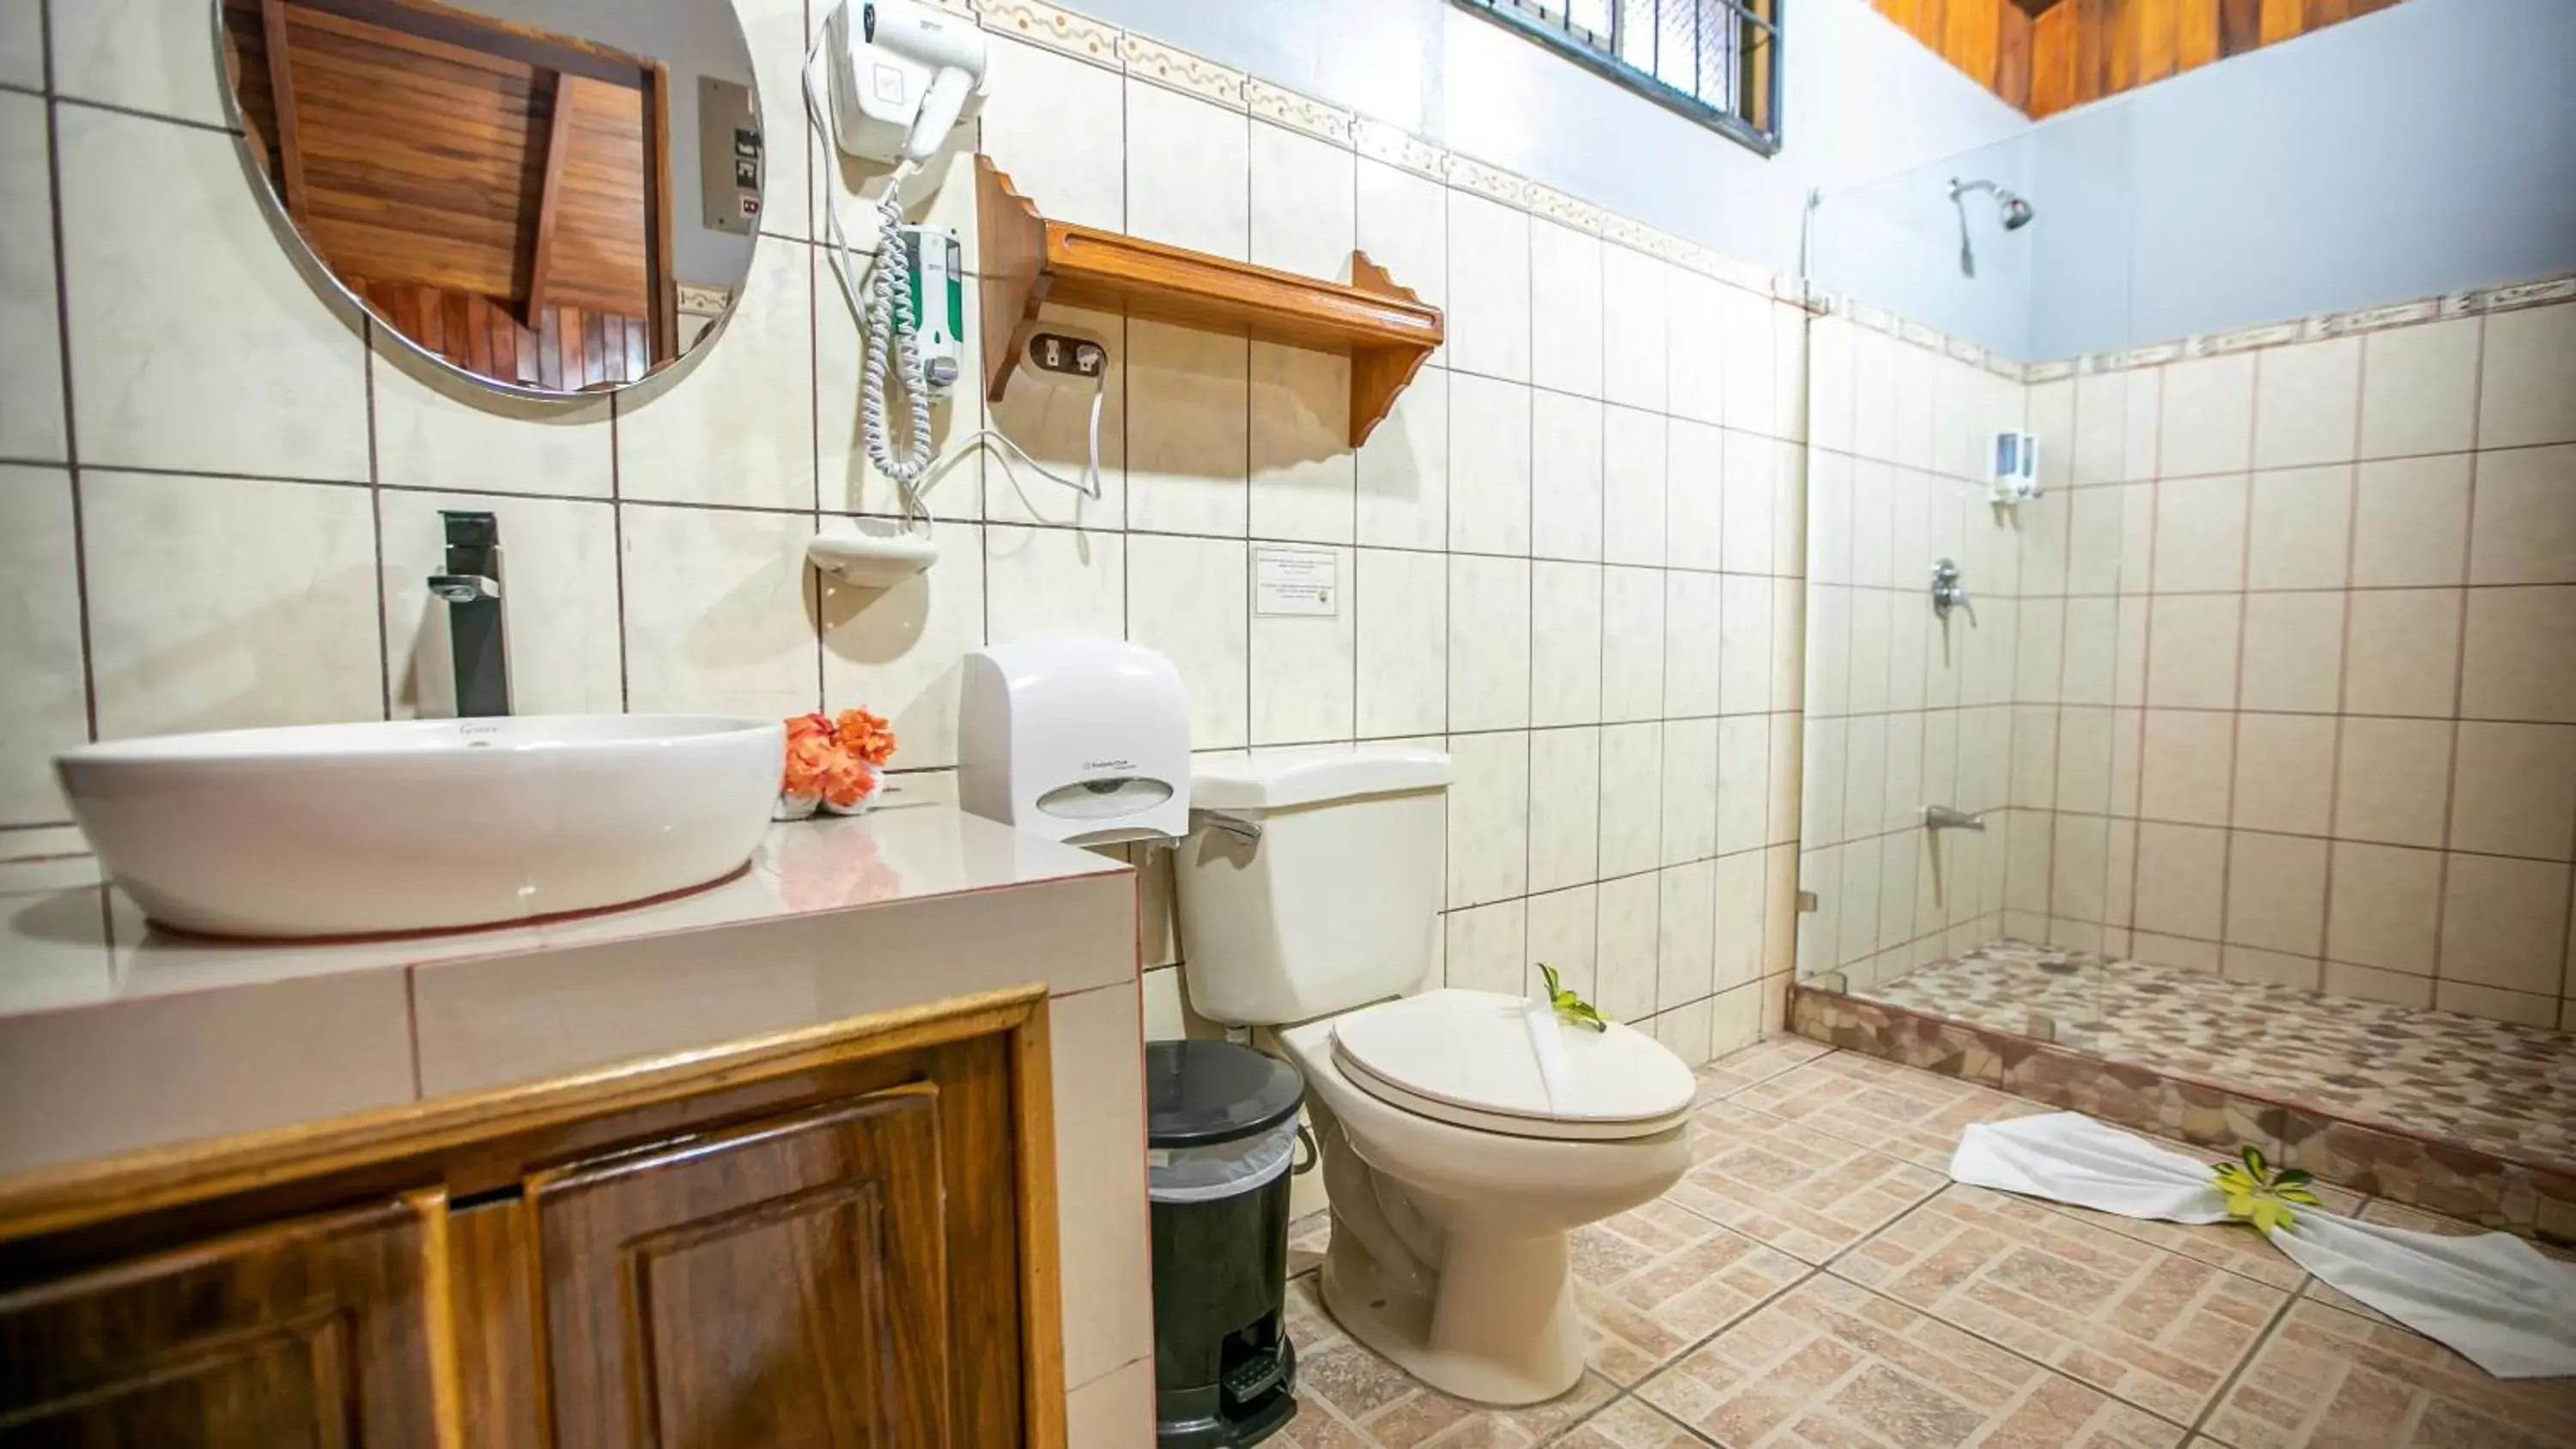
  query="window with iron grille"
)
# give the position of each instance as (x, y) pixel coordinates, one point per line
(1715, 61)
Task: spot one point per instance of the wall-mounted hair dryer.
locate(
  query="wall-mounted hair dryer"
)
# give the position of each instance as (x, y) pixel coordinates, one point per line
(904, 74)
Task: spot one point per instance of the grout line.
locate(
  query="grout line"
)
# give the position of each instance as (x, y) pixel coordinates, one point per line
(2459, 689)
(137, 112)
(2253, 1350)
(376, 523)
(75, 484)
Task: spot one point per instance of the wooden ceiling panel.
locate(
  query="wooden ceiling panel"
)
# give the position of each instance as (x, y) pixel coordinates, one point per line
(2045, 56)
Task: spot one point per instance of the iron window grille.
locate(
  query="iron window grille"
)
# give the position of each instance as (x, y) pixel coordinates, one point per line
(1715, 61)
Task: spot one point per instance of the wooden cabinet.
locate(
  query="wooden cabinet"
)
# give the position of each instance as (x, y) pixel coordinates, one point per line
(841, 1238)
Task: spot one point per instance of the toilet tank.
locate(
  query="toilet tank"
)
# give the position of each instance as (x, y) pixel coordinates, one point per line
(1338, 901)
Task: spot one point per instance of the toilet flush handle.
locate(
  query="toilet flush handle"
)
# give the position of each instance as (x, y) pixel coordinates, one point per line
(1242, 828)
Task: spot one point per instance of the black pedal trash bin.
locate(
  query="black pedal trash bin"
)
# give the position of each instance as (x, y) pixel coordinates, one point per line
(1221, 1133)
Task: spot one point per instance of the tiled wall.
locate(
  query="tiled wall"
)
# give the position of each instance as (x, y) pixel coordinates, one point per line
(1572, 554)
(1903, 709)
(2297, 696)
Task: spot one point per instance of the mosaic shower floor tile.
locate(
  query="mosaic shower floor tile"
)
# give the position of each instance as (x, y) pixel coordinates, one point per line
(2490, 1085)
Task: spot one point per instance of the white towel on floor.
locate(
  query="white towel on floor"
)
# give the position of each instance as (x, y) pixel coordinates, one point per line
(2492, 1297)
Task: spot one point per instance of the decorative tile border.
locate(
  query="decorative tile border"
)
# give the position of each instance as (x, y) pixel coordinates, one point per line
(1298, 113)
(1058, 30)
(2509, 297)
(1399, 148)
(2443, 1177)
(1177, 69)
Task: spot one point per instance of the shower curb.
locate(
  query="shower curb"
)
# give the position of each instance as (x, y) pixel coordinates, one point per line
(2534, 1199)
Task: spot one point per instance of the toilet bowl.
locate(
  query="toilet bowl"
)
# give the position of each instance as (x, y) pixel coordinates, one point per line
(1464, 1133)
(1454, 1179)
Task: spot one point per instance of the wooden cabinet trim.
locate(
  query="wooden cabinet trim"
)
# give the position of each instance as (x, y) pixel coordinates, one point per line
(76, 1195)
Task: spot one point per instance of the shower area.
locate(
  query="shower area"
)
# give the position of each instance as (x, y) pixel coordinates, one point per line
(2227, 786)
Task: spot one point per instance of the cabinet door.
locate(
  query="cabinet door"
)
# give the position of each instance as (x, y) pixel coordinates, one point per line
(779, 1285)
(314, 1334)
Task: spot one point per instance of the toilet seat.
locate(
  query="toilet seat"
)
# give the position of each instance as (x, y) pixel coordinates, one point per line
(1468, 1058)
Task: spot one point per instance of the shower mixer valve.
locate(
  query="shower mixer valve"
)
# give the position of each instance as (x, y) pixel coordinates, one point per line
(1948, 593)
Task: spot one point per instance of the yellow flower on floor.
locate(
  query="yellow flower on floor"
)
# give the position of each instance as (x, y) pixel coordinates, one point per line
(2262, 1197)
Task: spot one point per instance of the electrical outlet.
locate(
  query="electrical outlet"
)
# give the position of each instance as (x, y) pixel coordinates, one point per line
(1068, 354)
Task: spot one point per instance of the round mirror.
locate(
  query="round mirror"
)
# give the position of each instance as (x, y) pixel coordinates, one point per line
(548, 196)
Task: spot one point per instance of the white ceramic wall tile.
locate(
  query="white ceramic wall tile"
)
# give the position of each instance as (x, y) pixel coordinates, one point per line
(1188, 429)
(31, 371)
(1188, 172)
(1489, 643)
(1188, 598)
(1633, 484)
(1489, 817)
(1634, 368)
(1565, 476)
(721, 429)
(1631, 798)
(2208, 417)
(1303, 670)
(1401, 604)
(1744, 646)
(1624, 955)
(45, 708)
(1304, 476)
(1403, 226)
(1692, 607)
(559, 599)
(1694, 495)
(1303, 204)
(196, 343)
(2528, 377)
(897, 650)
(2419, 389)
(1632, 644)
(22, 43)
(718, 612)
(1743, 783)
(1053, 583)
(1564, 931)
(1489, 465)
(183, 637)
(1690, 790)
(1565, 808)
(437, 431)
(2299, 533)
(1685, 934)
(1488, 947)
(2307, 403)
(777, 33)
(1403, 469)
(1565, 309)
(1489, 281)
(144, 55)
(1565, 643)
(1057, 128)
(2524, 522)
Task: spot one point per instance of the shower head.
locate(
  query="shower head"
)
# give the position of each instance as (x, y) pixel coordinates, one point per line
(2014, 212)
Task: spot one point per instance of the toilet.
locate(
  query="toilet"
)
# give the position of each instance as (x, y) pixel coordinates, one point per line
(1464, 1135)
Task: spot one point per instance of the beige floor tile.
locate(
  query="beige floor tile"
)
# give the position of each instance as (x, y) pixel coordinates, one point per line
(2155, 1328)
(2326, 1377)
(1630, 1424)
(1901, 1111)
(1656, 1280)
(1833, 1364)
(1789, 1186)
(1763, 1060)
(1349, 1398)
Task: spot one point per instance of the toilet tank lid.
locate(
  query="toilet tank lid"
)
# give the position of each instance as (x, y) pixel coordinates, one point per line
(1306, 777)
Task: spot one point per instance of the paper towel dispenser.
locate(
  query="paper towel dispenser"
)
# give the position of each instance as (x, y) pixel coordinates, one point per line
(1086, 741)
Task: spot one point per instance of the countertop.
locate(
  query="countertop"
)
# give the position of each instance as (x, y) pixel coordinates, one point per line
(115, 1035)
(68, 939)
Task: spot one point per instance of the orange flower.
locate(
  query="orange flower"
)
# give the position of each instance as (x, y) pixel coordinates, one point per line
(811, 755)
(865, 735)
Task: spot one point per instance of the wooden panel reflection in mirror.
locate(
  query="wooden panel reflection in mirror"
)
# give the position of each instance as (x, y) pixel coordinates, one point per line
(496, 193)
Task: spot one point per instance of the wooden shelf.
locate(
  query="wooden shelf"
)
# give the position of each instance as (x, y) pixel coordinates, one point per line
(1029, 261)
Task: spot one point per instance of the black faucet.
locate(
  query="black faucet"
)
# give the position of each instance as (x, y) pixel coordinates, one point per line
(477, 646)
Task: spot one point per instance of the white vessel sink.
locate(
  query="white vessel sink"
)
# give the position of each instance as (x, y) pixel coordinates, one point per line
(361, 829)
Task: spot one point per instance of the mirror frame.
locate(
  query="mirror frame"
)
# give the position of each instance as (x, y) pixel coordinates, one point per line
(308, 258)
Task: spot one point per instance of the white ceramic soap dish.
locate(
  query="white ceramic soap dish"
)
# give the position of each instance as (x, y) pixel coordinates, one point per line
(873, 553)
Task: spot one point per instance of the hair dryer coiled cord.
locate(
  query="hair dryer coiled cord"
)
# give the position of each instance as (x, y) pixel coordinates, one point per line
(894, 343)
